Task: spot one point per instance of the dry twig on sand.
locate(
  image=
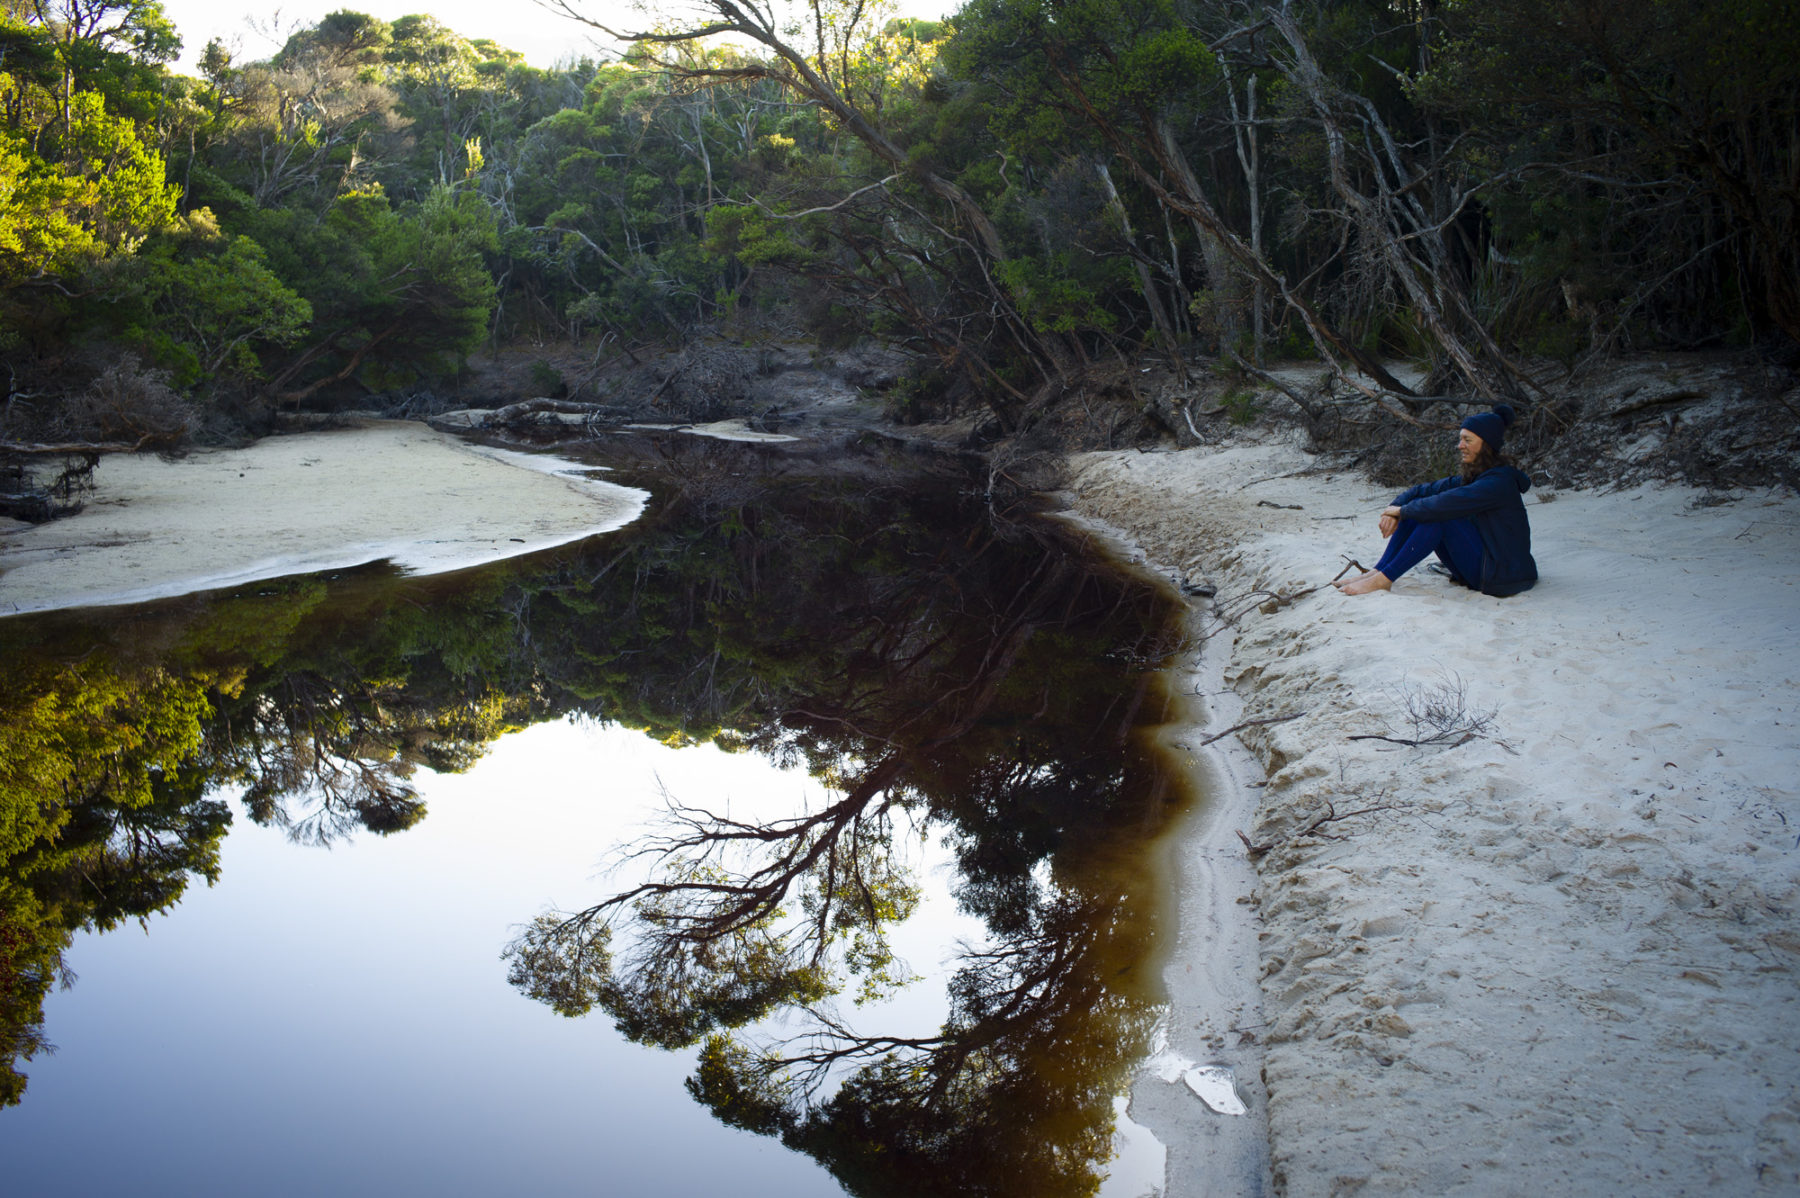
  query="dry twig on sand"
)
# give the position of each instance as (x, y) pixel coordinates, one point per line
(1273, 719)
(1439, 715)
(1316, 825)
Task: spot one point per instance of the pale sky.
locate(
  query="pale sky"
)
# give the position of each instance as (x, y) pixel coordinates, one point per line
(542, 36)
(522, 25)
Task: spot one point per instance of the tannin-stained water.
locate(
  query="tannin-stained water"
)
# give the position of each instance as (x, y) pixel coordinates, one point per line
(895, 930)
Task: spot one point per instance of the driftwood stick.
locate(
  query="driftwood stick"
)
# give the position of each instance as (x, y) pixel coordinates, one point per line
(1273, 719)
(1254, 850)
(66, 447)
(1330, 816)
(1418, 744)
(1298, 399)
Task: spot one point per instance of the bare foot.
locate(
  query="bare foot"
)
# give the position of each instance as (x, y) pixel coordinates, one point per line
(1374, 580)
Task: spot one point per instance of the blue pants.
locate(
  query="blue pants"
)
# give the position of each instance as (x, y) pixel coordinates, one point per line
(1455, 542)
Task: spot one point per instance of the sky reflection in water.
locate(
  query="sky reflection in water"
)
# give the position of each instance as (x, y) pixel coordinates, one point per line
(338, 1021)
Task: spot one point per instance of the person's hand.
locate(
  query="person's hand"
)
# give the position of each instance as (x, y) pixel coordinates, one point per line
(1390, 520)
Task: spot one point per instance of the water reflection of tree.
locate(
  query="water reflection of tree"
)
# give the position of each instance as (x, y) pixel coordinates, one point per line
(969, 698)
(1013, 1097)
(932, 668)
(102, 820)
(324, 759)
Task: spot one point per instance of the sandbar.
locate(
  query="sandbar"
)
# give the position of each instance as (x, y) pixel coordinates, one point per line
(296, 504)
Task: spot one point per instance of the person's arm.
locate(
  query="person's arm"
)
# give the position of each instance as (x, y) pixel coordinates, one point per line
(1433, 487)
(1391, 515)
(1490, 491)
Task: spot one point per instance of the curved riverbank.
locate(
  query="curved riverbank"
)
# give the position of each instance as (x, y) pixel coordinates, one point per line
(295, 504)
(1554, 951)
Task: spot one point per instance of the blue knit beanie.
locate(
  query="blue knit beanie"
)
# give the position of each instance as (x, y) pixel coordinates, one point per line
(1491, 426)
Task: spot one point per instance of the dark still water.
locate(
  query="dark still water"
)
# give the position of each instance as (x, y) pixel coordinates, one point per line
(798, 839)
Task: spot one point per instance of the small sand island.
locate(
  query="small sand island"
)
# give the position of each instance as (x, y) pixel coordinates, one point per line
(394, 491)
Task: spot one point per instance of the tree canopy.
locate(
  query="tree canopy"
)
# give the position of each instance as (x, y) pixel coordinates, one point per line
(1017, 192)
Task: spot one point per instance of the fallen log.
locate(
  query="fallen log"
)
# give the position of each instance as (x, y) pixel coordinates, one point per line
(47, 449)
(528, 412)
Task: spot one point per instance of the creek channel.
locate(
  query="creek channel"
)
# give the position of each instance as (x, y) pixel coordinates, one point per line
(805, 836)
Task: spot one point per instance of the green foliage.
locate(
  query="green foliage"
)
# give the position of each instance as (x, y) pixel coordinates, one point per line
(566, 966)
(41, 230)
(344, 37)
(547, 379)
(408, 288)
(127, 197)
(1595, 172)
(755, 238)
(1240, 405)
(94, 825)
(211, 303)
(1053, 298)
(101, 193)
(1126, 60)
(740, 1088)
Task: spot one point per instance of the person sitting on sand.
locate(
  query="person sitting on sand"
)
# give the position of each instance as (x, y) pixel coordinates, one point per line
(1474, 521)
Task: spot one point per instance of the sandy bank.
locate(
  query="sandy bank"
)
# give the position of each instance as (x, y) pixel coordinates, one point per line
(296, 504)
(1558, 957)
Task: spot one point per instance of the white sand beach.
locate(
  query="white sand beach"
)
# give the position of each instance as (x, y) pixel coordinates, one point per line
(1556, 957)
(391, 490)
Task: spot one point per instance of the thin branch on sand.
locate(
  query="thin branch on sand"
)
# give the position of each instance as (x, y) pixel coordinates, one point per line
(1273, 719)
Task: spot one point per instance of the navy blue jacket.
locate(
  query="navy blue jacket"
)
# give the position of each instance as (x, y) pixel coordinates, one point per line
(1493, 504)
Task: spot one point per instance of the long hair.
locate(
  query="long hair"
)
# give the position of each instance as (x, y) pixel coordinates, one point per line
(1484, 461)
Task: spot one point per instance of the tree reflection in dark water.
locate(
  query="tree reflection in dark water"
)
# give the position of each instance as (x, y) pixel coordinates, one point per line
(938, 665)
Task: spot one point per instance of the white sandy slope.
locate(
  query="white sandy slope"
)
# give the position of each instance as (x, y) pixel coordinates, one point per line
(296, 504)
(1557, 959)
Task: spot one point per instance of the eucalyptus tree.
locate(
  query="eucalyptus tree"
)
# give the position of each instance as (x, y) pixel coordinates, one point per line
(405, 291)
(609, 207)
(444, 83)
(828, 53)
(100, 193)
(207, 305)
(311, 124)
(86, 32)
(1399, 196)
